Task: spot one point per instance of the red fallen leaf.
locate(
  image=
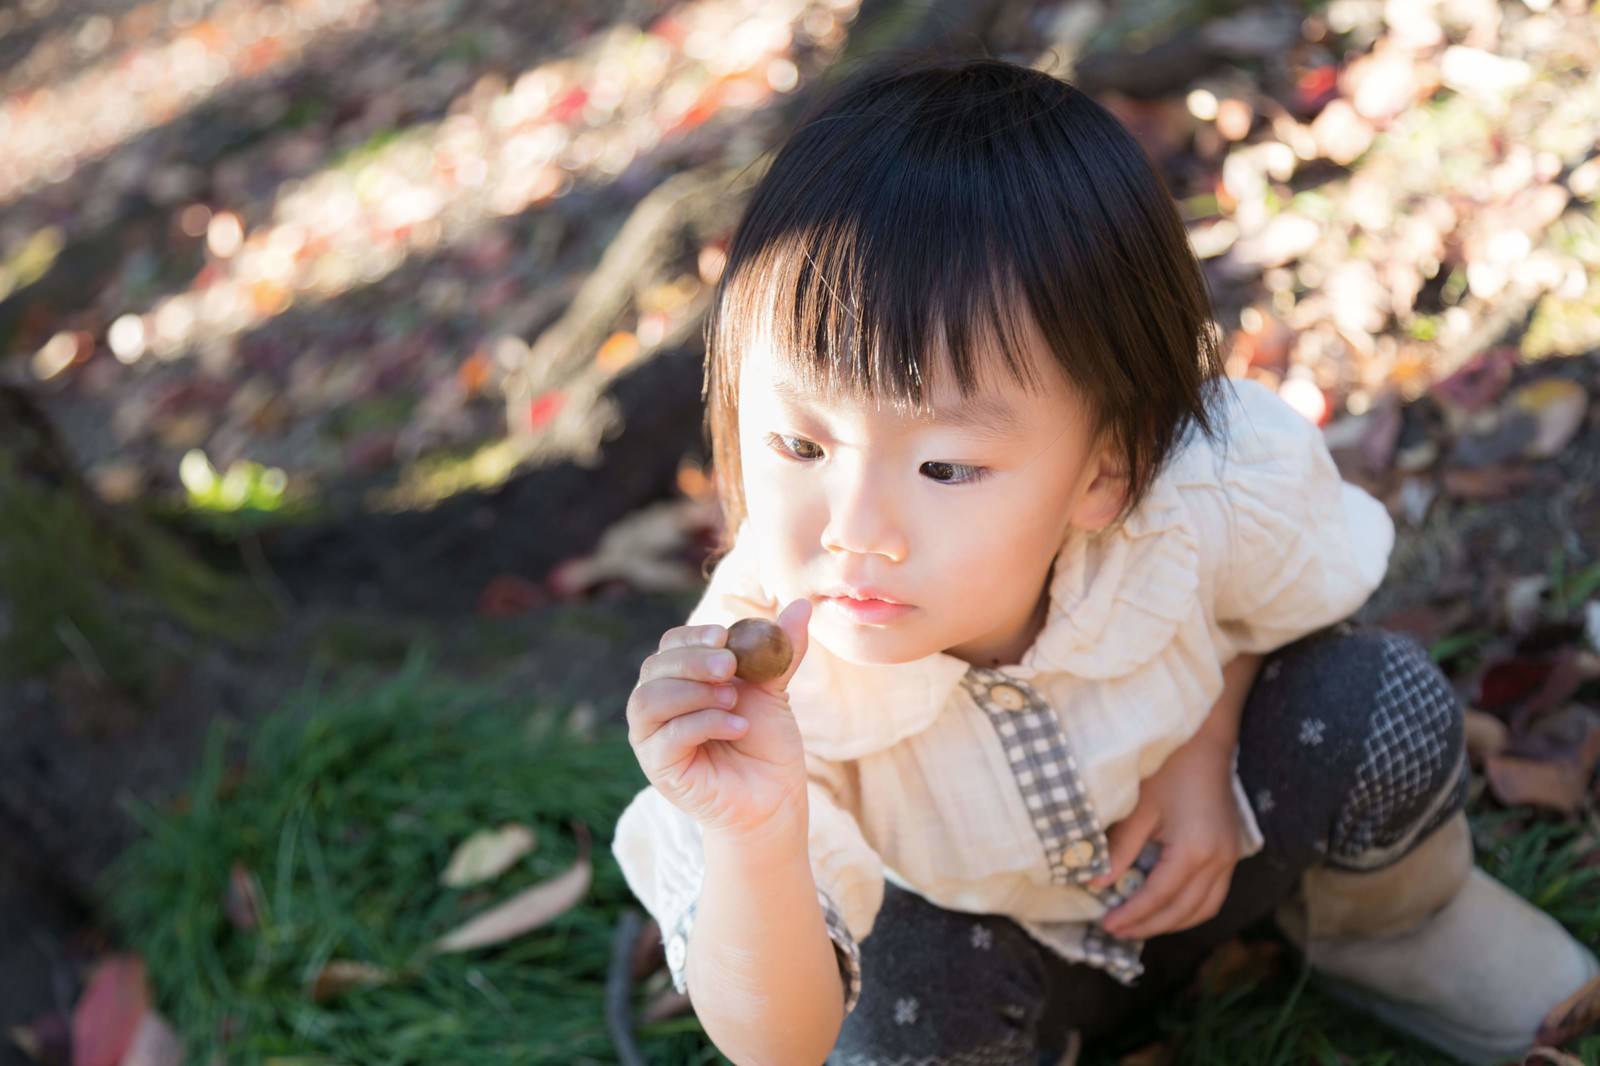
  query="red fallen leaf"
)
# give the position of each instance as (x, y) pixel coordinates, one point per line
(109, 1012)
(1314, 89)
(243, 902)
(1479, 381)
(1560, 683)
(569, 105)
(1557, 786)
(508, 594)
(542, 409)
(1509, 680)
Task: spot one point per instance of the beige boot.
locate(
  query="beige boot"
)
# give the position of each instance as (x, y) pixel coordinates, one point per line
(1438, 949)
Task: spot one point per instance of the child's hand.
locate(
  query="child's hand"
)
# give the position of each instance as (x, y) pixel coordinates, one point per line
(1188, 806)
(726, 777)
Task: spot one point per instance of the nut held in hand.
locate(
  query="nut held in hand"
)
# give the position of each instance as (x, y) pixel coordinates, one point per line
(761, 647)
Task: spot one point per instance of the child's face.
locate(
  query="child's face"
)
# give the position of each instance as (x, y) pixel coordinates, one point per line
(959, 522)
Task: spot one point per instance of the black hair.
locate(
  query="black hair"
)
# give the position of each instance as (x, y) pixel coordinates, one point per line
(914, 203)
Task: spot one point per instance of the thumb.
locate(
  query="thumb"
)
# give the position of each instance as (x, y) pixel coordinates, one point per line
(794, 620)
(1127, 838)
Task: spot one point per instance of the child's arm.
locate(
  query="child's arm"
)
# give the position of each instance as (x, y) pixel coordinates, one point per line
(1188, 804)
(762, 972)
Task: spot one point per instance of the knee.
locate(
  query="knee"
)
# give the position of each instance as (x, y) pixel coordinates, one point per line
(1411, 772)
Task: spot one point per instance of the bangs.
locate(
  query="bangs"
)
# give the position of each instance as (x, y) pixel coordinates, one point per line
(855, 304)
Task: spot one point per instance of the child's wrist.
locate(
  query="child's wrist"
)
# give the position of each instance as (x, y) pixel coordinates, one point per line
(763, 846)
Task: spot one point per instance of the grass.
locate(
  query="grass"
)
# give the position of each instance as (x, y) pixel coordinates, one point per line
(347, 806)
(345, 812)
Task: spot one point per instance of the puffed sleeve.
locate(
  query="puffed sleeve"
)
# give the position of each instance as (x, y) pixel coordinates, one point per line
(1298, 547)
(659, 848)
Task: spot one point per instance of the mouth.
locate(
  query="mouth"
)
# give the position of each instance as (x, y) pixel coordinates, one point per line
(866, 610)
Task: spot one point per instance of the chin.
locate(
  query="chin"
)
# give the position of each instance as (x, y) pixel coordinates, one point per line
(866, 646)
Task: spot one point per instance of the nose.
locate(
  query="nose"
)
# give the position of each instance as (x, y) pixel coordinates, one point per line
(862, 519)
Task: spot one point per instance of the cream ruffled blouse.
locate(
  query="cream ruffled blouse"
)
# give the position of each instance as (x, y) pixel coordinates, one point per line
(990, 790)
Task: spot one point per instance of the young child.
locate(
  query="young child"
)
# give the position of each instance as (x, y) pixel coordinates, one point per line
(1075, 695)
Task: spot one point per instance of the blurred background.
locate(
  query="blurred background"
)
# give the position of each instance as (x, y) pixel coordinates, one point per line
(351, 461)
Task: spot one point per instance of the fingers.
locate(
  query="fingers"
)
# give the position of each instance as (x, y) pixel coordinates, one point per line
(1186, 909)
(1127, 838)
(1178, 895)
(656, 703)
(680, 738)
(710, 636)
(794, 620)
(697, 662)
(1170, 878)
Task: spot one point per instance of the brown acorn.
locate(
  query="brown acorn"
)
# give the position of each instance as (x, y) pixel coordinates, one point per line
(761, 647)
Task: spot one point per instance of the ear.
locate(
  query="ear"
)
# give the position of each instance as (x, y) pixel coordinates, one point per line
(1102, 499)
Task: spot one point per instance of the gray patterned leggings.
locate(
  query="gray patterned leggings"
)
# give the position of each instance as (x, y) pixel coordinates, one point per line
(1351, 749)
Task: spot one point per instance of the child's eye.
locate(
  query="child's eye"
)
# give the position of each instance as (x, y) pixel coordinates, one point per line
(805, 451)
(954, 473)
(794, 447)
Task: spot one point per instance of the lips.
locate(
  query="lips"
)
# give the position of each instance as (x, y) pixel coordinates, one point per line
(864, 595)
(875, 610)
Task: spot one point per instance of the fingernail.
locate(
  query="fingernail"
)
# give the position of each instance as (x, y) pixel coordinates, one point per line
(726, 696)
(722, 663)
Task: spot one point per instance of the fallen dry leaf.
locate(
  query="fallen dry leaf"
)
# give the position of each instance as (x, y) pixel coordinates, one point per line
(109, 1011)
(243, 902)
(339, 976)
(1571, 734)
(1236, 962)
(1558, 786)
(47, 1039)
(487, 854)
(1486, 736)
(1431, 622)
(1487, 482)
(1575, 1016)
(527, 910)
(1149, 1055)
(1557, 407)
(1549, 1056)
(1560, 685)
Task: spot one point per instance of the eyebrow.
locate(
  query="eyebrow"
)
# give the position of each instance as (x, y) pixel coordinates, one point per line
(982, 415)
